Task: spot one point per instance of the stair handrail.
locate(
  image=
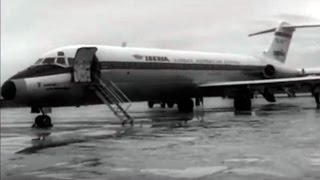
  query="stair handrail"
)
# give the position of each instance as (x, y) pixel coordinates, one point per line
(123, 99)
(121, 92)
(119, 107)
(115, 95)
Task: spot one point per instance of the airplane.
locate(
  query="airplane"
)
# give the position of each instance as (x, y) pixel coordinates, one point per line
(94, 74)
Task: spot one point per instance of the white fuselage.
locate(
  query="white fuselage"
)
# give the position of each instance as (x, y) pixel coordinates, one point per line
(147, 74)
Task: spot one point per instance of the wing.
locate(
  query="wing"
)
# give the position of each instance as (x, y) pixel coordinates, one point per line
(298, 82)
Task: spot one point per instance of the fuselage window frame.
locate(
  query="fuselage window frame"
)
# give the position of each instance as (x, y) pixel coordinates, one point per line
(70, 61)
(53, 59)
(61, 58)
(39, 61)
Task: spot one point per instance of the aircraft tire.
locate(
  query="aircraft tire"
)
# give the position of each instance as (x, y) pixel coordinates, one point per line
(47, 121)
(170, 104)
(150, 104)
(163, 105)
(42, 121)
(37, 121)
(185, 105)
(242, 104)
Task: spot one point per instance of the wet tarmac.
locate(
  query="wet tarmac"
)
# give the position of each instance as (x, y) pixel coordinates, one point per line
(276, 141)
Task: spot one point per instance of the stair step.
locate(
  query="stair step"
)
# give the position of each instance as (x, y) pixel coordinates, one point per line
(114, 98)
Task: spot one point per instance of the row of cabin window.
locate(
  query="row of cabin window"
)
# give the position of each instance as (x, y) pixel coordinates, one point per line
(58, 60)
(131, 65)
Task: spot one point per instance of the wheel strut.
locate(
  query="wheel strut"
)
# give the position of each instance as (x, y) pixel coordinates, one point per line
(317, 98)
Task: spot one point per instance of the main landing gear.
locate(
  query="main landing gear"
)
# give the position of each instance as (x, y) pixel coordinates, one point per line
(42, 121)
(316, 95)
(185, 105)
(163, 104)
(242, 101)
(317, 98)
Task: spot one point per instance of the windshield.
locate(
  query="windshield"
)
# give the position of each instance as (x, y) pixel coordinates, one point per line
(38, 61)
(48, 61)
(64, 61)
(61, 60)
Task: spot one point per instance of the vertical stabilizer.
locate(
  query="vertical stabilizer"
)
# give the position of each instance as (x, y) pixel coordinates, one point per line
(279, 47)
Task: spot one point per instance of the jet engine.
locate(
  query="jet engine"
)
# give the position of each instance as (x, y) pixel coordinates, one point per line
(37, 89)
(10, 88)
(271, 71)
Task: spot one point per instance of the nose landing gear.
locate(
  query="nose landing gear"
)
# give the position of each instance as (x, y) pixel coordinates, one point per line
(42, 121)
(185, 105)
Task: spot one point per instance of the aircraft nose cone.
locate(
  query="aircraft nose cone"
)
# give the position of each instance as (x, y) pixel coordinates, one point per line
(8, 90)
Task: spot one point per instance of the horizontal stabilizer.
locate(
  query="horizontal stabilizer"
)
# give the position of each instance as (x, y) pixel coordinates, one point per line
(263, 32)
(301, 26)
(287, 27)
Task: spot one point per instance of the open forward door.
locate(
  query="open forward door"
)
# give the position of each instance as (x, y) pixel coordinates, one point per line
(82, 64)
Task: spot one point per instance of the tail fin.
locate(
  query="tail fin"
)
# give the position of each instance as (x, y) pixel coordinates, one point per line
(279, 47)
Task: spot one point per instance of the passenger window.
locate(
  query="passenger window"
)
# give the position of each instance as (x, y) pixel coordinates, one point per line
(48, 61)
(70, 61)
(60, 60)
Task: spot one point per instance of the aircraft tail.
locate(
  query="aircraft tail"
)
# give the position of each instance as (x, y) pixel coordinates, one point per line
(279, 47)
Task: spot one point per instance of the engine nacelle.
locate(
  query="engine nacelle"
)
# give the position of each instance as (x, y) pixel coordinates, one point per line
(37, 89)
(14, 88)
(271, 71)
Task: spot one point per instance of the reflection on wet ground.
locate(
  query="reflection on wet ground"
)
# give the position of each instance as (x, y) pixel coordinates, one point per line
(275, 141)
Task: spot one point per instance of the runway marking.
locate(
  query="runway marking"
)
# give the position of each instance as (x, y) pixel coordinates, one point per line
(44, 174)
(56, 176)
(47, 140)
(13, 144)
(18, 125)
(14, 166)
(315, 162)
(60, 164)
(190, 173)
(34, 173)
(9, 135)
(245, 160)
(253, 171)
(314, 159)
(122, 169)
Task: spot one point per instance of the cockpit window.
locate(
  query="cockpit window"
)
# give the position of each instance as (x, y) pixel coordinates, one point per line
(48, 61)
(60, 60)
(70, 61)
(38, 61)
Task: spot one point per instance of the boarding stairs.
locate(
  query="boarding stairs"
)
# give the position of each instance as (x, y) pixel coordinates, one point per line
(110, 94)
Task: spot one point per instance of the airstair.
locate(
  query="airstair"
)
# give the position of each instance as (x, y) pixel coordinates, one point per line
(85, 64)
(114, 98)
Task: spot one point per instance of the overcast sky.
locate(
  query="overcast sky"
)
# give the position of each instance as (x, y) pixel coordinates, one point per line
(30, 28)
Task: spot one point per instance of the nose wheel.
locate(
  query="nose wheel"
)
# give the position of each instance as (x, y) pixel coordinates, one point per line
(42, 121)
